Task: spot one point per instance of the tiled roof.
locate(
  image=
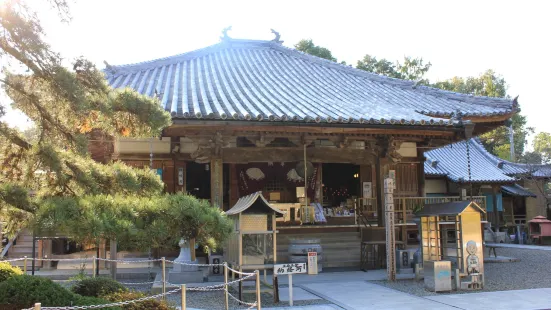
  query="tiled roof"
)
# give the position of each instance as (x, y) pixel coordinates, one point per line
(262, 80)
(451, 161)
(517, 190)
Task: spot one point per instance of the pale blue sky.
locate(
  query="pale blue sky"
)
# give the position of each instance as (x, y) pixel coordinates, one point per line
(458, 37)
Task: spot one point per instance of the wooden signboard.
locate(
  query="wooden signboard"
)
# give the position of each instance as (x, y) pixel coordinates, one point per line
(312, 263)
(289, 270)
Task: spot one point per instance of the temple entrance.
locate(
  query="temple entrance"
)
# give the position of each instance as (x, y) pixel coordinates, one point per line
(198, 180)
(341, 182)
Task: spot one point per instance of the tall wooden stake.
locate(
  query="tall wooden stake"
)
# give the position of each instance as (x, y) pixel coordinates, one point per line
(93, 266)
(25, 265)
(113, 256)
(226, 299)
(37, 306)
(305, 180)
(184, 297)
(258, 301)
(390, 233)
(164, 276)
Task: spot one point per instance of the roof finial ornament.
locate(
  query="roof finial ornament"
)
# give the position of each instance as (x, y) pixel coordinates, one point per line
(277, 37)
(225, 36)
(457, 117)
(109, 68)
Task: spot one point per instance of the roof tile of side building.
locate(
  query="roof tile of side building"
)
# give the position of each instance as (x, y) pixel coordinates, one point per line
(451, 161)
(263, 80)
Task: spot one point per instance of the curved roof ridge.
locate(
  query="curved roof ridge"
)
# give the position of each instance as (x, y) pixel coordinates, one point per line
(139, 66)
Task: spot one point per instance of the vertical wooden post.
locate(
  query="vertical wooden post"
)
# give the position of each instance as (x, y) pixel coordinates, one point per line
(37, 306)
(113, 256)
(94, 263)
(226, 297)
(495, 191)
(216, 183)
(380, 198)
(258, 301)
(183, 297)
(305, 181)
(192, 249)
(25, 265)
(291, 289)
(164, 275)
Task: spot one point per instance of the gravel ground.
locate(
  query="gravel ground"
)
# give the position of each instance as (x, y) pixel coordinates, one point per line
(215, 299)
(532, 271)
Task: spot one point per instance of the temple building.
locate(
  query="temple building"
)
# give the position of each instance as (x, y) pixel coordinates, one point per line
(517, 189)
(254, 115)
(247, 113)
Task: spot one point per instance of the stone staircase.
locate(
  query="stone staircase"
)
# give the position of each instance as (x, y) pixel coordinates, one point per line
(23, 246)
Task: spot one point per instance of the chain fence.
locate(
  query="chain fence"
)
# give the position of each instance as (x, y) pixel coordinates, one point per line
(180, 287)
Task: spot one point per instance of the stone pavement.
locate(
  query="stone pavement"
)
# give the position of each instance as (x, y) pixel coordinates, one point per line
(505, 300)
(360, 295)
(520, 246)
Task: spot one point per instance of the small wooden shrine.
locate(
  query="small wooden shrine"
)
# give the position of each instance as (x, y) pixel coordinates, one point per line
(539, 229)
(252, 245)
(452, 231)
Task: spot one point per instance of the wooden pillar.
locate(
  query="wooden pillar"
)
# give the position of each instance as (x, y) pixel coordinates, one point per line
(234, 185)
(216, 183)
(380, 188)
(421, 172)
(113, 256)
(47, 252)
(180, 176)
(319, 184)
(102, 253)
(495, 190)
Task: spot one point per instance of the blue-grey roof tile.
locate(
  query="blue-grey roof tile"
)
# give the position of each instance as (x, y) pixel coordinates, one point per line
(262, 80)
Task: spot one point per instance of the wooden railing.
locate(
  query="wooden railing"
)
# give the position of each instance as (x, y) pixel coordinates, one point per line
(404, 207)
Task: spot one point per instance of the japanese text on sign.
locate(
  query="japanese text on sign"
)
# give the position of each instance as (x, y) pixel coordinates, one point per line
(290, 268)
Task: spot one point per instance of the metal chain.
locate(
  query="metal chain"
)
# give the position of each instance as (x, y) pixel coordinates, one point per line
(215, 287)
(198, 265)
(128, 261)
(469, 167)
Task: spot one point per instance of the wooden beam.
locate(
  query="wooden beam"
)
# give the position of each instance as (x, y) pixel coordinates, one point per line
(288, 154)
(181, 127)
(216, 183)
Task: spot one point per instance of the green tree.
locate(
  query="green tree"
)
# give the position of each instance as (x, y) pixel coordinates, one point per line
(308, 47)
(491, 84)
(50, 164)
(410, 69)
(542, 146)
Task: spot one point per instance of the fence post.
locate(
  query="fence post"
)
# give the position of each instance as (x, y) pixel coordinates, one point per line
(164, 276)
(258, 307)
(25, 265)
(37, 306)
(94, 263)
(227, 302)
(183, 297)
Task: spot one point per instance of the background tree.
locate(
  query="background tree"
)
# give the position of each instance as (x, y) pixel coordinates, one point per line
(50, 164)
(542, 146)
(410, 69)
(308, 47)
(491, 84)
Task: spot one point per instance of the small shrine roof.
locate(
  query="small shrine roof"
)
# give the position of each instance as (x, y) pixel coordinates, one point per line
(448, 208)
(248, 201)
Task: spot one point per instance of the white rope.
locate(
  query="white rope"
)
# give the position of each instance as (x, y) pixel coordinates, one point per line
(128, 261)
(244, 273)
(241, 302)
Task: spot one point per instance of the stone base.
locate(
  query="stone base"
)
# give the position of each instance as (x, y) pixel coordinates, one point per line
(185, 277)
